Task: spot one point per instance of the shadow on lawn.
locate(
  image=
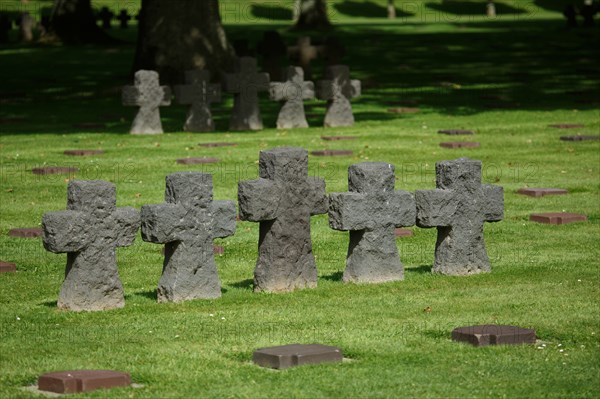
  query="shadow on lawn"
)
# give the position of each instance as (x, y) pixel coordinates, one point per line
(423, 269)
(366, 9)
(247, 284)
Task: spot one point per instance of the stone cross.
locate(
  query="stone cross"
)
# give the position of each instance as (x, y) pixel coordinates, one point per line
(89, 231)
(458, 208)
(149, 95)
(371, 211)
(198, 93)
(105, 15)
(188, 223)
(304, 52)
(338, 89)
(124, 18)
(245, 84)
(283, 199)
(293, 91)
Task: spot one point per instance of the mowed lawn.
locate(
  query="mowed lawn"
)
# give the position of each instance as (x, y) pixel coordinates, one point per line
(507, 79)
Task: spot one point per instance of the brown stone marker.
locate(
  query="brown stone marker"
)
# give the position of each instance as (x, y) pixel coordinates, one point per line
(403, 110)
(456, 132)
(7, 267)
(460, 144)
(82, 381)
(541, 192)
(197, 161)
(567, 125)
(54, 170)
(579, 138)
(26, 232)
(331, 153)
(283, 357)
(83, 153)
(403, 233)
(485, 335)
(218, 250)
(557, 218)
(338, 138)
(215, 145)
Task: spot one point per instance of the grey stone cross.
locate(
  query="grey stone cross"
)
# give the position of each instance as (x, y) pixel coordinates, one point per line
(371, 211)
(304, 52)
(293, 91)
(283, 199)
(148, 95)
(458, 208)
(89, 231)
(188, 223)
(198, 93)
(245, 84)
(338, 89)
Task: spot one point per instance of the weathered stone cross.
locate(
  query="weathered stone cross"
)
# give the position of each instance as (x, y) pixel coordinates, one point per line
(149, 96)
(338, 89)
(458, 208)
(293, 91)
(283, 199)
(304, 52)
(188, 223)
(198, 93)
(89, 231)
(371, 211)
(245, 84)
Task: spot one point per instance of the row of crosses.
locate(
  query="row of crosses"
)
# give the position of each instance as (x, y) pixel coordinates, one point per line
(282, 200)
(245, 84)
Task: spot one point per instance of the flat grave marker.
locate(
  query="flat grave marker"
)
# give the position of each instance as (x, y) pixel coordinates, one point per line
(83, 153)
(456, 132)
(54, 170)
(338, 138)
(7, 267)
(197, 161)
(460, 144)
(579, 138)
(484, 335)
(283, 357)
(33, 232)
(541, 192)
(557, 218)
(332, 153)
(567, 125)
(75, 381)
(217, 145)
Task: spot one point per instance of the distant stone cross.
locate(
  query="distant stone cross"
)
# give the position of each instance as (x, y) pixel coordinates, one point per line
(283, 199)
(293, 91)
(304, 52)
(338, 89)
(124, 18)
(89, 231)
(371, 211)
(188, 223)
(198, 93)
(458, 208)
(245, 84)
(149, 96)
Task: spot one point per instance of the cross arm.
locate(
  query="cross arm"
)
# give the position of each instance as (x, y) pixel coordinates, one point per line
(130, 95)
(277, 91)
(167, 96)
(348, 211)
(403, 209)
(65, 231)
(128, 224)
(435, 208)
(258, 200)
(162, 223)
(317, 197)
(308, 90)
(224, 215)
(493, 208)
(325, 89)
(353, 89)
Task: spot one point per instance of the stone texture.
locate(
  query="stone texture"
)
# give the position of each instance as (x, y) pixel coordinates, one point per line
(292, 92)
(83, 153)
(580, 138)
(557, 218)
(371, 211)
(89, 231)
(567, 125)
(82, 381)
(541, 192)
(245, 84)
(217, 145)
(283, 357)
(332, 153)
(485, 335)
(338, 138)
(283, 199)
(54, 170)
(456, 132)
(197, 161)
(460, 144)
(304, 53)
(187, 224)
(459, 208)
(338, 90)
(148, 95)
(198, 93)
(33, 232)
(7, 267)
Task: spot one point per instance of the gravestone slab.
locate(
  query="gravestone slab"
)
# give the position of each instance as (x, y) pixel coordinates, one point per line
(485, 335)
(83, 153)
(54, 170)
(338, 90)
(332, 153)
(26, 232)
(217, 145)
(88, 232)
(338, 138)
(292, 92)
(557, 218)
(198, 93)
(197, 161)
(458, 208)
(283, 357)
(401, 233)
(283, 199)
(7, 267)
(567, 125)
(456, 132)
(580, 138)
(148, 95)
(541, 192)
(75, 381)
(460, 144)
(187, 224)
(245, 84)
(371, 211)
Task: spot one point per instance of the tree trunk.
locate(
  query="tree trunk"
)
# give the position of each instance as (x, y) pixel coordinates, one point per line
(311, 14)
(391, 9)
(176, 36)
(73, 22)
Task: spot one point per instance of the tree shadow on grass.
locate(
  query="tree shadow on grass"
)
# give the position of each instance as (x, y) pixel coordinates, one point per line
(336, 276)
(247, 284)
(50, 304)
(366, 9)
(472, 8)
(150, 294)
(272, 13)
(423, 269)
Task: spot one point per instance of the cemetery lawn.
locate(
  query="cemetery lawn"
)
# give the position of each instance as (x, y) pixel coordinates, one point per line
(506, 79)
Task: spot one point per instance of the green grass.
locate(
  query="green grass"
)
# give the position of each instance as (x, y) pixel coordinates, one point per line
(544, 277)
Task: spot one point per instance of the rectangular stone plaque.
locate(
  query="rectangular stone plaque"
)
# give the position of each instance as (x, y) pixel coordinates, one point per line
(283, 357)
